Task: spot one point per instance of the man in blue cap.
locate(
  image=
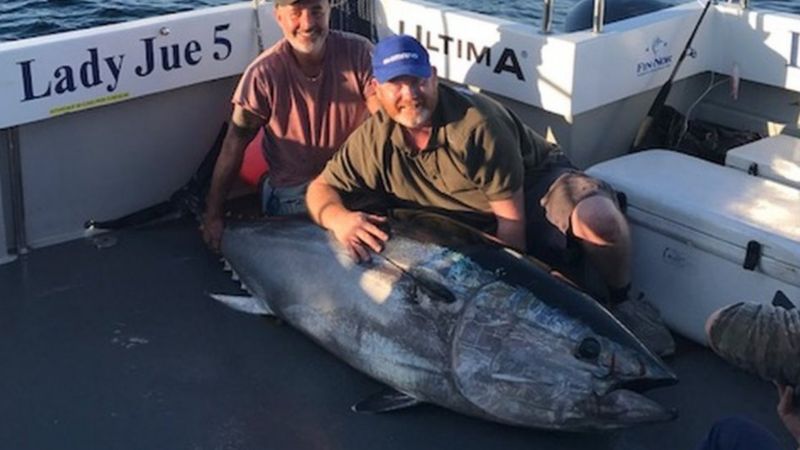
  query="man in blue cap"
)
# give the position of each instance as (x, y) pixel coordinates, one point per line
(432, 146)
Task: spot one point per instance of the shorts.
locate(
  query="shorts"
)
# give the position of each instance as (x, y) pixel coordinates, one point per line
(283, 201)
(759, 338)
(551, 193)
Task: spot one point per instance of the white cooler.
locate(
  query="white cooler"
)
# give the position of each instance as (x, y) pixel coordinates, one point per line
(776, 158)
(705, 236)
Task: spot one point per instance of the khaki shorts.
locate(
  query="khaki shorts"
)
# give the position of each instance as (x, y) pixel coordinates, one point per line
(551, 194)
(759, 338)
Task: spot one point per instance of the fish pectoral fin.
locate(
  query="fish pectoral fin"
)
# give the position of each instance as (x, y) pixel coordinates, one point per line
(385, 401)
(782, 301)
(244, 303)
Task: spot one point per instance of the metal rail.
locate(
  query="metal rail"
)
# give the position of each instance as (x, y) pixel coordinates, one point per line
(259, 40)
(20, 245)
(599, 16)
(547, 16)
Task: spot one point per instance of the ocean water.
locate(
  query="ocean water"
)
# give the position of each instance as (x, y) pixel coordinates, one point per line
(21, 19)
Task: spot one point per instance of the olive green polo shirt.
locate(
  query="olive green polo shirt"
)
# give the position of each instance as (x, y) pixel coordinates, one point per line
(478, 152)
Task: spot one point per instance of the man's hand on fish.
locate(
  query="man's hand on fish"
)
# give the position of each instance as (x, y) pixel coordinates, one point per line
(358, 232)
(211, 228)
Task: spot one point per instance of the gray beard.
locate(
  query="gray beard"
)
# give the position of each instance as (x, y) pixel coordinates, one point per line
(420, 119)
(309, 48)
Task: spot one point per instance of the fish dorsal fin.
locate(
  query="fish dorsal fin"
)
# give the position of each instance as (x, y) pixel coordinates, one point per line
(385, 401)
(244, 303)
(782, 301)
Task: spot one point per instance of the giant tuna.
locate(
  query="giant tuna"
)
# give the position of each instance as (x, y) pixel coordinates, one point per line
(444, 315)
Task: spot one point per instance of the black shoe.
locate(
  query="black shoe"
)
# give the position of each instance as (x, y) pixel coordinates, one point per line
(644, 320)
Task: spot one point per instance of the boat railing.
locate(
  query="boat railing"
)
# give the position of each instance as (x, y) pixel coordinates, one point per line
(20, 240)
(598, 14)
(547, 16)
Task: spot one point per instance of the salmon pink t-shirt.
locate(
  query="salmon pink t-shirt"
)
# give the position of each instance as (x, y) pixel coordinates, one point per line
(307, 119)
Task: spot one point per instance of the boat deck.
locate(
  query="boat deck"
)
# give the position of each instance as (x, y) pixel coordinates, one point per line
(119, 347)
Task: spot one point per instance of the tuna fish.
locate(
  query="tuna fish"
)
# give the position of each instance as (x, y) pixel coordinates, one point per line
(447, 316)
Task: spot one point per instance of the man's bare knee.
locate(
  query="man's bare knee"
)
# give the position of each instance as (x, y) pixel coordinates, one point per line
(597, 220)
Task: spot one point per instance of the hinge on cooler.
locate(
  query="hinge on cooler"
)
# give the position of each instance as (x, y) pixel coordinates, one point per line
(622, 201)
(782, 301)
(753, 255)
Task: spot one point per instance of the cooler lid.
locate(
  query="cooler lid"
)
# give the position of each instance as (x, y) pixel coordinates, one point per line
(776, 158)
(717, 201)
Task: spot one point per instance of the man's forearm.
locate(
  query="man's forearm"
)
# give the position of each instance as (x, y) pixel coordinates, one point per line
(512, 232)
(323, 201)
(510, 215)
(228, 164)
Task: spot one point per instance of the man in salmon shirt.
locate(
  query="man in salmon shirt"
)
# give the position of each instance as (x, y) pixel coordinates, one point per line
(308, 92)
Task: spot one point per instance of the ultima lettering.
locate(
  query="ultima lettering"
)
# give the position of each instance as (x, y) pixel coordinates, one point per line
(464, 49)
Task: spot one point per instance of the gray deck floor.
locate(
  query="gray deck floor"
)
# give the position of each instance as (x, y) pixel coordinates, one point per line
(121, 348)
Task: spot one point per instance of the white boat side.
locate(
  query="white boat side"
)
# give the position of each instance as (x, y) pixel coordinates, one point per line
(109, 120)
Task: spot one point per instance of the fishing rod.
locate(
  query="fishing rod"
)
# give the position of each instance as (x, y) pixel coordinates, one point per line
(661, 98)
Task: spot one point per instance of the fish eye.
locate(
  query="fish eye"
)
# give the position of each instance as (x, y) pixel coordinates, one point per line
(589, 349)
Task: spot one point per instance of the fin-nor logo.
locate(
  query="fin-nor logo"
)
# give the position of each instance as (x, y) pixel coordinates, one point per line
(657, 58)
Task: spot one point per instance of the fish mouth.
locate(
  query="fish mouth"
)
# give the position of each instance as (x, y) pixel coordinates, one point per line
(624, 404)
(653, 373)
(646, 384)
(622, 407)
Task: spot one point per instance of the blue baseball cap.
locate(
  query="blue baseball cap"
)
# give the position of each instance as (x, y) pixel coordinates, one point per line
(400, 55)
